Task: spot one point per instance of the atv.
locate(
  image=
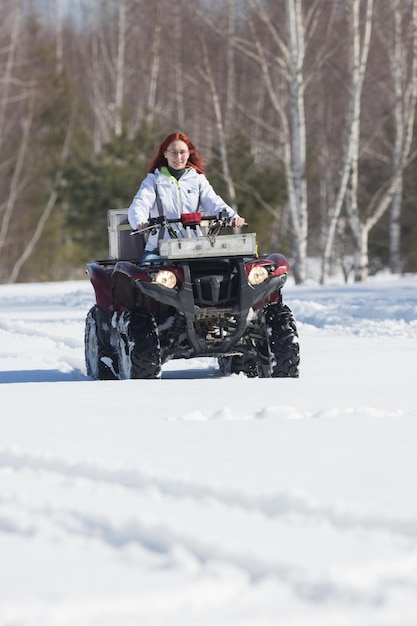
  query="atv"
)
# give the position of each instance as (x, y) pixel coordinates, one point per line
(208, 294)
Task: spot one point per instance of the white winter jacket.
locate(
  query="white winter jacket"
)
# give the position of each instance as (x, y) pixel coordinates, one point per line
(191, 193)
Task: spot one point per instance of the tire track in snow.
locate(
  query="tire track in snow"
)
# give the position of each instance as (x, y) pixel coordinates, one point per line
(13, 522)
(63, 349)
(171, 547)
(37, 315)
(160, 538)
(274, 506)
(34, 330)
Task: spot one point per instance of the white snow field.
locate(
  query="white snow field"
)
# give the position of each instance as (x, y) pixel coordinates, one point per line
(199, 500)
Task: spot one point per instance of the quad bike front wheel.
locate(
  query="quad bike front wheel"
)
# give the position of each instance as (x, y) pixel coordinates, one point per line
(100, 356)
(282, 342)
(276, 355)
(138, 346)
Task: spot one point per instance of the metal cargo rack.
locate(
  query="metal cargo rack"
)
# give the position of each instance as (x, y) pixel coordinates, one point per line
(205, 247)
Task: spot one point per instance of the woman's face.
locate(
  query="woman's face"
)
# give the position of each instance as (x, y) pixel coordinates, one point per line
(177, 154)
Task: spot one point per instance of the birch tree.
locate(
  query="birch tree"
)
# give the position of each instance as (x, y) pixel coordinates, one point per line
(155, 63)
(178, 69)
(59, 47)
(16, 117)
(15, 19)
(207, 76)
(363, 215)
(288, 104)
(104, 61)
(95, 57)
(17, 176)
(120, 68)
(50, 205)
(404, 79)
(405, 98)
(363, 219)
(296, 165)
(359, 51)
(230, 68)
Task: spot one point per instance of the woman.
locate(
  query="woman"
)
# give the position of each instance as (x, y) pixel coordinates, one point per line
(175, 184)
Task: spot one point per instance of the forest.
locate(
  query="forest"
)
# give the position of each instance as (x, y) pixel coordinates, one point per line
(304, 111)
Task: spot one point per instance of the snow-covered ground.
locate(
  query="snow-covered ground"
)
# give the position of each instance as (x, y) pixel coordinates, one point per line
(197, 500)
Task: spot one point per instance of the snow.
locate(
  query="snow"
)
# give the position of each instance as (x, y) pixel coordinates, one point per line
(210, 501)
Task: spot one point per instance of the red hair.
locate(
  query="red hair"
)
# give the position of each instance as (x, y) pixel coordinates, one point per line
(195, 159)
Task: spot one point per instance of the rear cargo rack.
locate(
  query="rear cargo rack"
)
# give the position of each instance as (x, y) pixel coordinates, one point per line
(122, 245)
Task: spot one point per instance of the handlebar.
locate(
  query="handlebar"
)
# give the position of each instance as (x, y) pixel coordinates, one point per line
(188, 220)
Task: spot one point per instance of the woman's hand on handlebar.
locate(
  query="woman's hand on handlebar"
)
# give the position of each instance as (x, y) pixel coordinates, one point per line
(238, 221)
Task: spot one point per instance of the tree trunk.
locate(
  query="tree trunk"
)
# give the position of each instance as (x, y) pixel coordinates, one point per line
(17, 173)
(120, 69)
(102, 125)
(230, 67)
(298, 183)
(405, 90)
(359, 60)
(179, 76)
(59, 64)
(361, 259)
(5, 83)
(292, 132)
(155, 63)
(30, 247)
(404, 119)
(208, 76)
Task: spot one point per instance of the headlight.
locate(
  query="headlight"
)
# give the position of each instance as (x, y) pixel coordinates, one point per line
(166, 278)
(257, 275)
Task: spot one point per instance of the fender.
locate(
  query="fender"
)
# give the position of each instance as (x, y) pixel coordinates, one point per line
(281, 264)
(100, 277)
(132, 271)
(278, 261)
(270, 289)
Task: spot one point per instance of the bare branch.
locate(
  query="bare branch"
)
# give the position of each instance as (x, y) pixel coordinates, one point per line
(17, 172)
(49, 205)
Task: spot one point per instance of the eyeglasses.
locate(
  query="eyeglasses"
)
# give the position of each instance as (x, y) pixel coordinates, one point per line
(178, 152)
